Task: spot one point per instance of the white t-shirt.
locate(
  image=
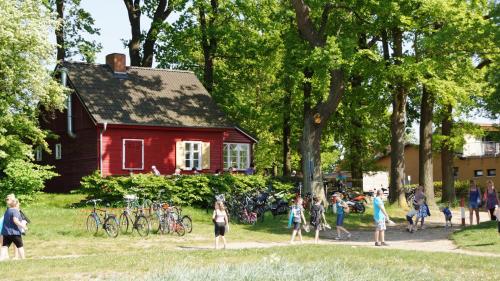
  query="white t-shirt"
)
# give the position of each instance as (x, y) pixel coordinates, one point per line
(411, 213)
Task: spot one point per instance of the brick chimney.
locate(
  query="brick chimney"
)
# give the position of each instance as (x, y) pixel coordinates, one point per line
(116, 62)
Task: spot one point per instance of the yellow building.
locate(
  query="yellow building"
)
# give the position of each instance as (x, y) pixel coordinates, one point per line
(479, 160)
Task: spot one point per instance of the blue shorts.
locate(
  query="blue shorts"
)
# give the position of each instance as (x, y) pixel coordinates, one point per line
(340, 219)
(473, 205)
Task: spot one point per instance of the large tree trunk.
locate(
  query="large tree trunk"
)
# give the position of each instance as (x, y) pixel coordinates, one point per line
(398, 126)
(134, 17)
(61, 49)
(447, 157)
(287, 107)
(356, 144)
(208, 43)
(425, 175)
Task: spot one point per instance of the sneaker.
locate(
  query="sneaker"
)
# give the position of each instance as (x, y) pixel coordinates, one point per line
(349, 236)
(377, 244)
(384, 244)
(337, 238)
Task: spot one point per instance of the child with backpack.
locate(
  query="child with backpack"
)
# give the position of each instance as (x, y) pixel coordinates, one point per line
(341, 208)
(295, 218)
(317, 216)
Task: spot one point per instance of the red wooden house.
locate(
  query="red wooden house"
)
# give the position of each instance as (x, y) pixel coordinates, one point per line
(122, 120)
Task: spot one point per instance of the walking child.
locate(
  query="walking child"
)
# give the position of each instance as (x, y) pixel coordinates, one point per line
(317, 216)
(295, 218)
(341, 207)
(409, 217)
(221, 222)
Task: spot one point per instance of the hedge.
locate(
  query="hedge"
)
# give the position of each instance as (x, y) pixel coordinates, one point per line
(461, 188)
(197, 190)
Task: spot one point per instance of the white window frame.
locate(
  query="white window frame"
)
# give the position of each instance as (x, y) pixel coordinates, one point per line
(191, 153)
(123, 155)
(58, 151)
(38, 154)
(227, 157)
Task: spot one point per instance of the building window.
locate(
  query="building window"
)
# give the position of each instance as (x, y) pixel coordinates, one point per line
(38, 153)
(192, 155)
(133, 154)
(236, 155)
(58, 151)
(478, 173)
(455, 172)
(492, 172)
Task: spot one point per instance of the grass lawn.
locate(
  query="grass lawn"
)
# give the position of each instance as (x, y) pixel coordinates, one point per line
(58, 248)
(483, 237)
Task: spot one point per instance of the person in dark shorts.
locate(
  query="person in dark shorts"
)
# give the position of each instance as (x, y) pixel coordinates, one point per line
(11, 231)
(317, 217)
(295, 218)
(221, 222)
(341, 208)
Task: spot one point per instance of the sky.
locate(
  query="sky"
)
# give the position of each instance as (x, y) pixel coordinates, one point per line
(112, 19)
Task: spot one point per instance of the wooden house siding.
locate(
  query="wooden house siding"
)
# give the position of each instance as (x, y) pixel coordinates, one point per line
(79, 155)
(159, 147)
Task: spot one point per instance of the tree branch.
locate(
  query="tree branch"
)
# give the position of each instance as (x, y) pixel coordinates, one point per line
(305, 24)
(483, 63)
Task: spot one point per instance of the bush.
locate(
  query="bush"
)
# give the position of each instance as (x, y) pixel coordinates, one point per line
(461, 188)
(24, 179)
(198, 190)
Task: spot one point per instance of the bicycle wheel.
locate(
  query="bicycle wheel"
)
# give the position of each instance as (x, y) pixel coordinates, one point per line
(92, 224)
(142, 225)
(179, 228)
(111, 226)
(188, 223)
(124, 223)
(155, 219)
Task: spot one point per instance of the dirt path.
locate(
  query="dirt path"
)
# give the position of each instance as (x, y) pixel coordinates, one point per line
(434, 238)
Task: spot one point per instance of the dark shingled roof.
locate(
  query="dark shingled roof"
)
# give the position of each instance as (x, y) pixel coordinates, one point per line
(145, 96)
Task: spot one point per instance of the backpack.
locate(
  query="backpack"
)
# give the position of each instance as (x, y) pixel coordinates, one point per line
(296, 214)
(315, 215)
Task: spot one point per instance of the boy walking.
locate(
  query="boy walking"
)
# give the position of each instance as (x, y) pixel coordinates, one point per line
(11, 231)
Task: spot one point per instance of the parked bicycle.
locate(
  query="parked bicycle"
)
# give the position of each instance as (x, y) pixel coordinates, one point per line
(101, 217)
(133, 217)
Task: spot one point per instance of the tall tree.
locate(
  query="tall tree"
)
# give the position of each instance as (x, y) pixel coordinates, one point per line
(142, 46)
(75, 27)
(425, 164)
(25, 86)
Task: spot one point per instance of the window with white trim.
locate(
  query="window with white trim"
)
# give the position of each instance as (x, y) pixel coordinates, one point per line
(38, 153)
(192, 155)
(236, 155)
(133, 154)
(58, 151)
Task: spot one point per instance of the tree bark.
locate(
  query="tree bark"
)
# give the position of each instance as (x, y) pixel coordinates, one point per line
(448, 183)
(356, 144)
(287, 107)
(208, 43)
(134, 17)
(315, 117)
(61, 49)
(398, 125)
(425, 164)
(162, 11)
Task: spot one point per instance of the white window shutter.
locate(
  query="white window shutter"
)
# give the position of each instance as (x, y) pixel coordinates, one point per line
(205, 154)
(179, 155)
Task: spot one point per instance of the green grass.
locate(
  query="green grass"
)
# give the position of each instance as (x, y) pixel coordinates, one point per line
(57, 241)
(483, 237)
(280, 263)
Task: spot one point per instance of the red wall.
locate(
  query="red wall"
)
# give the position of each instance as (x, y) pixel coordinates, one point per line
(79, 155)
(159, 147)
(233, 135)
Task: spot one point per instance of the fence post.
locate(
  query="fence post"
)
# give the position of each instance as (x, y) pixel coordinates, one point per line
(462, 211)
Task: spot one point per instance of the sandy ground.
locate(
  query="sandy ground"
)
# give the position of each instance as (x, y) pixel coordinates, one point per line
(434, 238)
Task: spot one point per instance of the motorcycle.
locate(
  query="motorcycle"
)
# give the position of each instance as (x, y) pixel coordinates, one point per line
(277, 205)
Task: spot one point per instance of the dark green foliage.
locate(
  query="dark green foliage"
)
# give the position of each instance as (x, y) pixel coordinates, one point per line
(198, 190)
